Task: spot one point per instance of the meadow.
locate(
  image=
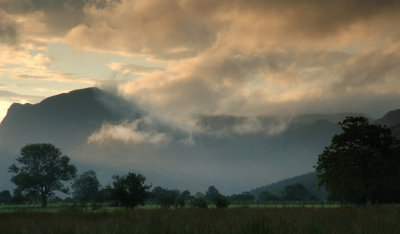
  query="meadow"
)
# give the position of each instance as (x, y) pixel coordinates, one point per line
(257, 219)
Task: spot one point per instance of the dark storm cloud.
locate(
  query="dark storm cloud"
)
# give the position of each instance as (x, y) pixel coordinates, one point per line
(59, 15)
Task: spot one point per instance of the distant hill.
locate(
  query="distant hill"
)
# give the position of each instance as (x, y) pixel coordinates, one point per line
(309, 180)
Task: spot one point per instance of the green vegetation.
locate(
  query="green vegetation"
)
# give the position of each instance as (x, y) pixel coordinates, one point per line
(240, 220)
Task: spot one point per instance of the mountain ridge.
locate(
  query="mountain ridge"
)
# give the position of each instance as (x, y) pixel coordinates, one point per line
(234, 155)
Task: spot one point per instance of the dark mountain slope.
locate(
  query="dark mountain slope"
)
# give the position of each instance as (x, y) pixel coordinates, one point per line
(66, 119)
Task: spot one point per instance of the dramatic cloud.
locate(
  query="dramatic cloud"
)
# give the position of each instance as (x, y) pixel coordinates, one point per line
(173, 29)
(238, 57)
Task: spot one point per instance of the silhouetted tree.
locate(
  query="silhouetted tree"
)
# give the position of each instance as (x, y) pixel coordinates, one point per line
(104, 194)
(183, 198)
(5, 196)
(42, 169)
(214, 196)
(86, 187)
(165, 197)
(267, 196)
(362, 164)
(211, 193)
(129, 190)
(297, 192)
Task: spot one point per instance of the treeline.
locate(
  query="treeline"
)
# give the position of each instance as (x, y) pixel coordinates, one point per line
(130, 191)
(360, 166)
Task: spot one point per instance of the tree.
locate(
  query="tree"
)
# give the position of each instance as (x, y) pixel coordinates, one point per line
(267, 196)
(5, 196)
(129, 190)
(211, 193)
(199, 201)
(183, 198)
(165, 197)
(86, 187)
(42, 170)
(297, 192)
(362, 164)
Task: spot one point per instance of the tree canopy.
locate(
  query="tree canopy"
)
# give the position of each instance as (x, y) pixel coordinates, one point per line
(362, 164)
(42, 170)
(129, 190)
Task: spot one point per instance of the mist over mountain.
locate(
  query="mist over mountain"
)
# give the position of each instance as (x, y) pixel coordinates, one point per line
(102, 131)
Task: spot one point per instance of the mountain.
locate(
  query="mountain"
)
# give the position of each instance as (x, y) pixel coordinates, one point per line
(66, 119)
(308, 180)
(101, 131)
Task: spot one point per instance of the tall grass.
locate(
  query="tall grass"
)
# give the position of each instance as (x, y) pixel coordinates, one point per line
(236, 220)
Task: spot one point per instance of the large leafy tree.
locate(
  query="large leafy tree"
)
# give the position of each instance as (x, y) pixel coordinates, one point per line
(129, 190)
(362, 164)
(42, 169)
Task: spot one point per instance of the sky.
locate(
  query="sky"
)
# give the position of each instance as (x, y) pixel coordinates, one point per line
(180, 58)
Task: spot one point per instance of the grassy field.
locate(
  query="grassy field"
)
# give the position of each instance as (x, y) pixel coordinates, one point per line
(384, 219)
